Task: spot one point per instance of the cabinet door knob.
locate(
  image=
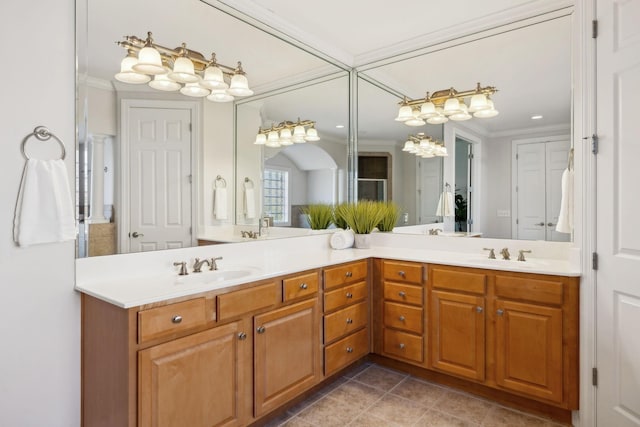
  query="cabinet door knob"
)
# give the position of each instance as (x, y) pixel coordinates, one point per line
(349, 349)
(242, 336)
(479, 309)
(401, 273)
(401, 346)
(303, 286)
(402, 294)
(260, 329)
(348, 274)
(176, 319)
(349, 295)
(401, 318)
(349, 321)
(500, 312)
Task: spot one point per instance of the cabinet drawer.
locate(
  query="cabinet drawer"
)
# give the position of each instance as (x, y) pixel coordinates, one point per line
(528, 289)
(344, 321)
(237, 303)
(403, 293)
(456, 280)
(344, 296)
(299, 286)
(170, 319)
(409, 272)
(338, 276)
(403, 345)
(346, 351)
(402, 316)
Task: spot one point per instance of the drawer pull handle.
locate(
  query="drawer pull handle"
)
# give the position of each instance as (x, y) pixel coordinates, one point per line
(402, 294)
(303, 286)
(500, 312)
(349, 295)
(260, 329)
(348, 274)
(349, 349)
(349, 321)
(401, 273)
(401, 318)
(242, 336)
(176, 319)
(479, 309)
(401, 346)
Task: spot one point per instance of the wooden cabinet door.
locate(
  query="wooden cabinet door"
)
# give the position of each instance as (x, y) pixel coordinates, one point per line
(194, 381)
(529, 349)
(458, 334)
(287, 354)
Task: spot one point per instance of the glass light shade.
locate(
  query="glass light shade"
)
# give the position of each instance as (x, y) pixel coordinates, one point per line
(409, 146)
(195, 90)
(462, 115)
(299, 131)
(487, 113)
(312, 135)
(239, 86)
(213, 78)
(127, 75)
(286, 142)
(427, 110)
(405, 113)
(425, 144)
(427, 155)
(439, 119)
(183, 71)
(220, 95)
(441, 150)
(261, 139)
(451, 106)
(285, 135)
(298, 139)
(415, 120)
(162, 82)
(149, 61)
(478, 102)
(272, 139)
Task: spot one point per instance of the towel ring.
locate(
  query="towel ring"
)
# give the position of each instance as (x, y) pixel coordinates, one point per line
(43, 134)
(247, 182)
(222, 181)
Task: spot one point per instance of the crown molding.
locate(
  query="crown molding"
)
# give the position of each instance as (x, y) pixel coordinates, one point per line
(98, 83)
(562, 128)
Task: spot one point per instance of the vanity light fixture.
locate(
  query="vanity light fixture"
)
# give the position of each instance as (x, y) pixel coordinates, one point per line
(287, 133)
(424, 146)
(448, 104)
(180, 69)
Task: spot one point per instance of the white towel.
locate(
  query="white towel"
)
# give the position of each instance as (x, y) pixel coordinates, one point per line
(342, 239)
(220, 203)
(565, 218)
(249, 203)
(44, 210)
(445, 204)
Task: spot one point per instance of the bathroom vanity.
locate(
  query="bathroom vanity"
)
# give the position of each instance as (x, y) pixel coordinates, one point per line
(216, 350)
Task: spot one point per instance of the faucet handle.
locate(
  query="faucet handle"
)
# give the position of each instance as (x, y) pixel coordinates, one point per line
(492, 254)
(214, 265)
(521, 253)
(505, 254)
(183, 268)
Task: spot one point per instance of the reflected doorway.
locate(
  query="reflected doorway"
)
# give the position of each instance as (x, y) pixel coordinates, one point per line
(463, 184)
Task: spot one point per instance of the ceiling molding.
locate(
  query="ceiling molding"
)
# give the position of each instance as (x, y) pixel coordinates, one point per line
(98, 83)
(563, 128)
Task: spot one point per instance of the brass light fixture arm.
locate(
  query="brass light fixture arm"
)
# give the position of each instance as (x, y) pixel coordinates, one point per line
(286, 125)
(439, 97)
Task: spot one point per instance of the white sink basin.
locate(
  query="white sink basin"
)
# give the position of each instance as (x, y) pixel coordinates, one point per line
(208, 277)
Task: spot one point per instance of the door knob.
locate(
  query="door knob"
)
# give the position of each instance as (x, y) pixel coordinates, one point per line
(541, 224)
(135, 234)
(550, 224)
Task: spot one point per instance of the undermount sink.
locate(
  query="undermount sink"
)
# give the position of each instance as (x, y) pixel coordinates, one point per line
(221, 275)
(513, 262)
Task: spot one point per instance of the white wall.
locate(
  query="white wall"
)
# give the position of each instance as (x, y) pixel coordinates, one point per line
(102, 110)
(40, 356)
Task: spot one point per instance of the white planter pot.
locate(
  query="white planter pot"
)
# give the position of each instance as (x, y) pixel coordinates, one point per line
(362, 241)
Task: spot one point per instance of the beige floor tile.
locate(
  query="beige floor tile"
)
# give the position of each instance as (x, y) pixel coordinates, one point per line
(464, 406)
(419, 391)
(296, 422)
(434, 418)
(305, 403)
(359, 395)
(381, 378)
(352, 372)
(397, 409)
(368, 420)
(328, 412)
(334, 385)
(503, 417)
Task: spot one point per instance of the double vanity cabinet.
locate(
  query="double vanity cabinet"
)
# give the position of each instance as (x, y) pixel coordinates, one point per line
(231, 356)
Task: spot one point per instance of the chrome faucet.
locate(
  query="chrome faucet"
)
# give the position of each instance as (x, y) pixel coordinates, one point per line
(521, 253)
(183, 268)
(214, 265)
(492, 254)
(434, 231)
(197, 265)
(505, 253)
(250, 234)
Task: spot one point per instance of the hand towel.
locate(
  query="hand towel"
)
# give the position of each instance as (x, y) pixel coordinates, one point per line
(445, 204)
(220, 203)
(249, 203)
(342, 239)
(44, 210)
(565, 218)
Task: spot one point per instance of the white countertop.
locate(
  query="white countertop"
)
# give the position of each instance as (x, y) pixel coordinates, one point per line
(136, 279)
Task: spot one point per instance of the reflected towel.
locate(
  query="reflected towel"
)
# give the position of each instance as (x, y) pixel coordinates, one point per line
(565, 218)
(445, 204)
(342, 239)
(220, 203)
(44, 209)
(249, 203)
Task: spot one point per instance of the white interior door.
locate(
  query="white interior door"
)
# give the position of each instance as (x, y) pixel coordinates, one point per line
(556, 159)
(530, 192)
(160, 178)
(618, 205)
(429, 187)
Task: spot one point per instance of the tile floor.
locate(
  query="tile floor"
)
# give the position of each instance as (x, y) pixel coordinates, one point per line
(372, 396)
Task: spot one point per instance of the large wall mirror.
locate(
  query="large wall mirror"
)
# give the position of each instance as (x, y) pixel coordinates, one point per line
(505, 171)
(149, 161)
